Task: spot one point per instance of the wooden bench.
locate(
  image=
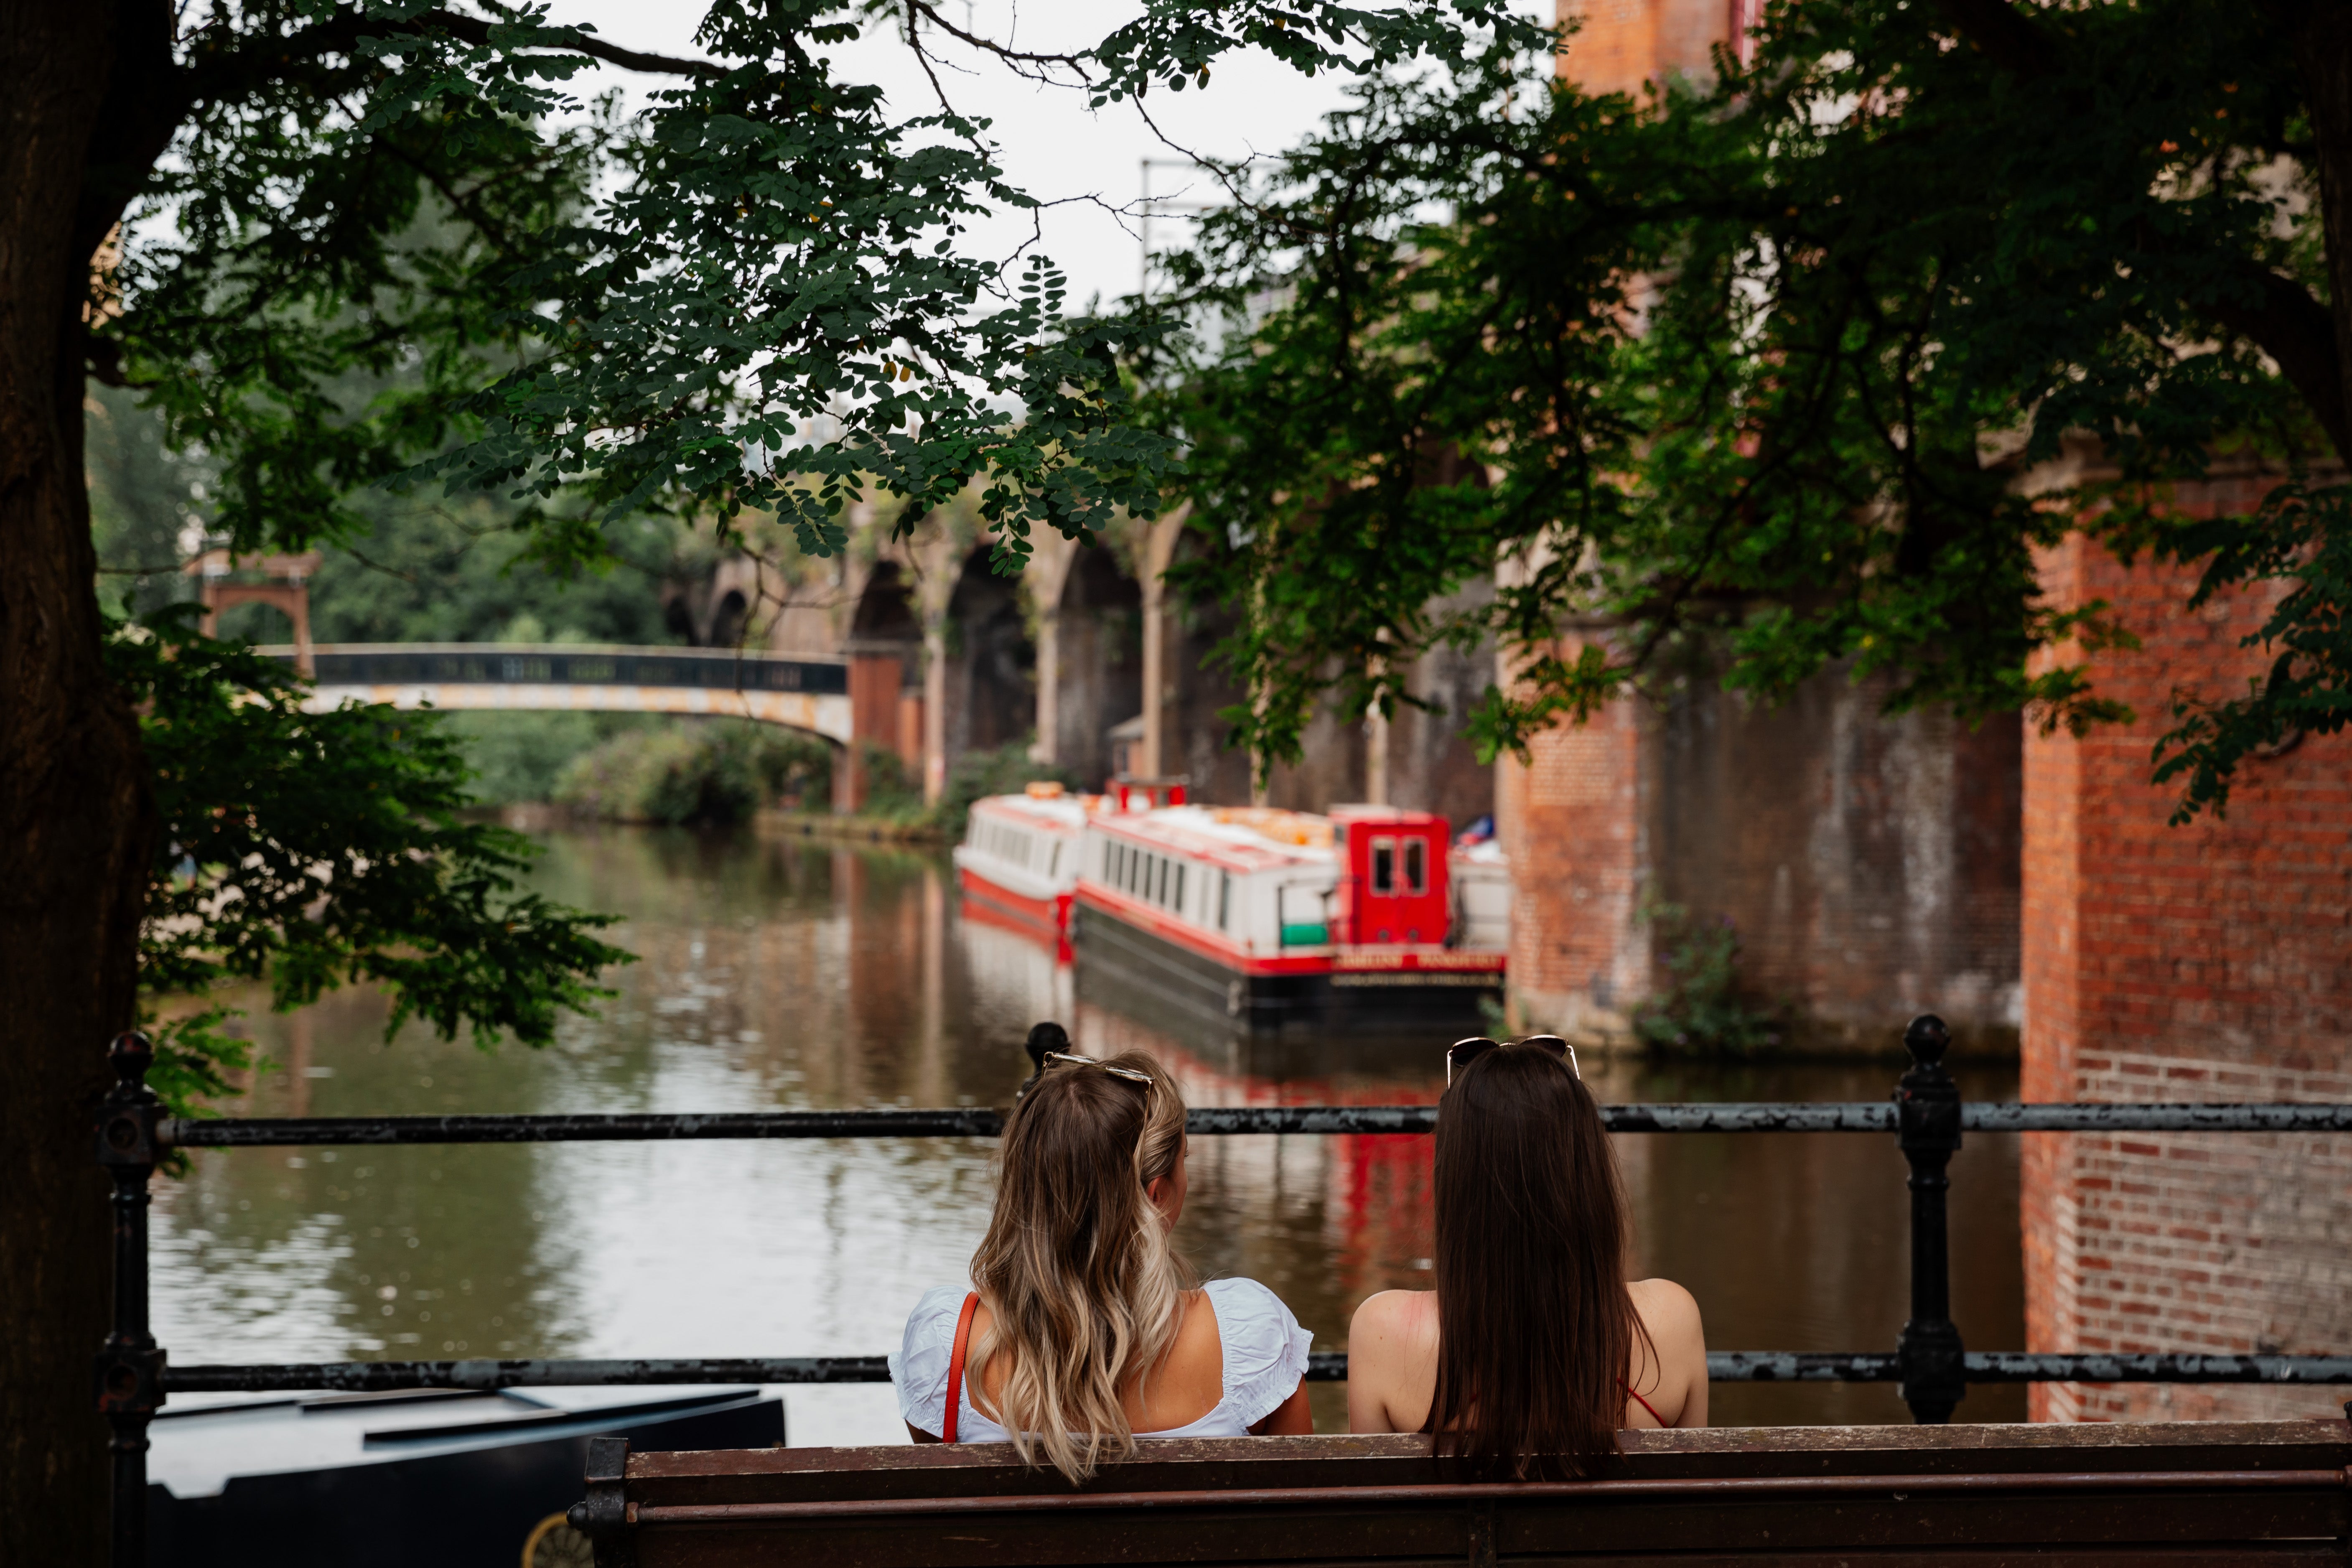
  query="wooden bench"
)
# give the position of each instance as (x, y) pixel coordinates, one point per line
(2203, 1493)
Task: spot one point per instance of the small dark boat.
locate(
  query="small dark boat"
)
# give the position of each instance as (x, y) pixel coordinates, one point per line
(448, 1478)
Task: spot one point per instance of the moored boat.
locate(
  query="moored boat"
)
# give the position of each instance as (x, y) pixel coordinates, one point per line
(1258, 919)
(454, 1478)
(1018, 863)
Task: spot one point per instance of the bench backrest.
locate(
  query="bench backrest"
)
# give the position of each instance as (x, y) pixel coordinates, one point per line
(2217, 1492)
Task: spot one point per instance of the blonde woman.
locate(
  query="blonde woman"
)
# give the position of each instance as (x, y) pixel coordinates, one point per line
(1082, 1334)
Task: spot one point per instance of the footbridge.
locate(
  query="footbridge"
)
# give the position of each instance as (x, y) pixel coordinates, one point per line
(798, 692)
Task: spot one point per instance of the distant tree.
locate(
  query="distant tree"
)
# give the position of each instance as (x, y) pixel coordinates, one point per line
(1759, 365)
(600, 317)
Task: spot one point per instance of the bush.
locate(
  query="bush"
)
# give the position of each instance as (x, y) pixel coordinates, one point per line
(519, 757)
(1004, 771)
(1703, 1010)
(699, 772)
(891, 790)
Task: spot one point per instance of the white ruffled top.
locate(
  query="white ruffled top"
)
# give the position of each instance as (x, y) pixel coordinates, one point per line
(1264, 1355)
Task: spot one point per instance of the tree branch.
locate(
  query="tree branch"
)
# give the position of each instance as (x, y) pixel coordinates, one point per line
(2005, 35)
(2299, 334)
(476, 30)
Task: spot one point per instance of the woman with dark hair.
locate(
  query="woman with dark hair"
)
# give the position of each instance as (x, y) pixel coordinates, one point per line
(1533, 1351)
(1083, 1333)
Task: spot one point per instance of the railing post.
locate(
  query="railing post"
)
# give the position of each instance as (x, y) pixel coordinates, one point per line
(602, 1516)
(130, 1366)
(1927, 1104)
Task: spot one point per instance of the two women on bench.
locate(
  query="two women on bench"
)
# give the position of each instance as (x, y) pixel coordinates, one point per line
(1082, 1335)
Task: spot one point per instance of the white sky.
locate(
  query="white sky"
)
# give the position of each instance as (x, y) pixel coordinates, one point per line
(1051, 145)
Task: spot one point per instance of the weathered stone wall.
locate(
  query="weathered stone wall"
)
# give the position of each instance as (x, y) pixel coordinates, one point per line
(1431, 764)
(1869, 864)
(2211, 962)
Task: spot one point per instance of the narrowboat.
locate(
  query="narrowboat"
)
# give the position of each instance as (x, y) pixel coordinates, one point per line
(1018, 863)
(1260, 920)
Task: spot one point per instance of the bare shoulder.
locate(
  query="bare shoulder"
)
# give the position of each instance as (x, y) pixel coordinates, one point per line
(1394, 1315)
(1669, 1312)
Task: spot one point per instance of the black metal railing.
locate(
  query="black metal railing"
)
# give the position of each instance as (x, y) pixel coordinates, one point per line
(1927, 1113)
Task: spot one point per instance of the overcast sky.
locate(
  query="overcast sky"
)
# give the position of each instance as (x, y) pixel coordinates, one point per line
(1052, 146)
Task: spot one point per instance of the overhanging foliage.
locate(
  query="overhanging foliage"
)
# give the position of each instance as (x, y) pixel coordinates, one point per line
(1759, 366)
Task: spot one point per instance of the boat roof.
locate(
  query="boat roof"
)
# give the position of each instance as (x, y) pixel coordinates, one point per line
(1052, 814)
(1237, 837)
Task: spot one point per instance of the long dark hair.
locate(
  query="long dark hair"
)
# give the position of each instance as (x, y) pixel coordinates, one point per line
(1536, 1329)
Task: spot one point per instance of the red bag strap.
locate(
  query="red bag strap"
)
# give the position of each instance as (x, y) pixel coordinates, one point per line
(955, 1367)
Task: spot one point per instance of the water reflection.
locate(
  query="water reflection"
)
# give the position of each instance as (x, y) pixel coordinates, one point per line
(778, 974)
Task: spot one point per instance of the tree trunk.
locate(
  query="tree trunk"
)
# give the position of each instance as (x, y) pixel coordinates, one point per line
(76, 819)
(2323, 49)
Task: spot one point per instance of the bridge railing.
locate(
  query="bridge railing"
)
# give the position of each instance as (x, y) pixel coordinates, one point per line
(476, 664)
(1927, 1114)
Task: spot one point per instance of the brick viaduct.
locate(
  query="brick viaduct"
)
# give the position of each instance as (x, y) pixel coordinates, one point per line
(2138, 961)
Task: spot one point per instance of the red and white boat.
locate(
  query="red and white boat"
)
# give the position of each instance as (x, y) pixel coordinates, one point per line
(1259, 919)
(1018, 863)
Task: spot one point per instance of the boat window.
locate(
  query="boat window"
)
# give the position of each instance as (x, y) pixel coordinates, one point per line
(1054, 865)
(1160, 879)
(1383, 865)
(1180, 886)
(1416, 865)
(1111, 867)
(1225, 901)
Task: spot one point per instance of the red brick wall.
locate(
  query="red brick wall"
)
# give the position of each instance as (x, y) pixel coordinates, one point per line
(1572, 823)
(1621, 44)
(2211, 962)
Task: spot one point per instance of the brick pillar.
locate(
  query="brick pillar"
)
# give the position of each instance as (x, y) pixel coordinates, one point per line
(1621, 46)
(874, 682)
(1570, 819)
(2206, 962)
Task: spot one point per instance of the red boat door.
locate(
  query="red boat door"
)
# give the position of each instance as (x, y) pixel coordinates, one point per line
(1395, 884)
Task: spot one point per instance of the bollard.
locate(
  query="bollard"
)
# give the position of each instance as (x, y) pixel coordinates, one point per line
(1928, 1357)
(130, 1366)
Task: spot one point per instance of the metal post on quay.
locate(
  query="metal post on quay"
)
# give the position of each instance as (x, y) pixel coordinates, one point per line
(1930, 1360)
(131, 1365)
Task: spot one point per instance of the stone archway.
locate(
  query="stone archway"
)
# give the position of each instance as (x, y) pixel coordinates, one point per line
(990, 688)
(1098, 674)
(884, 646)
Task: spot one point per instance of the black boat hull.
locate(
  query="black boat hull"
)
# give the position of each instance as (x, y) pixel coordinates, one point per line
(1140, 973)
(473, 1509)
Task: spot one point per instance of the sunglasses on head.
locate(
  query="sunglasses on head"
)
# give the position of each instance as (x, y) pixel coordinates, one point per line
(1133, 1075)
(1461, 1053)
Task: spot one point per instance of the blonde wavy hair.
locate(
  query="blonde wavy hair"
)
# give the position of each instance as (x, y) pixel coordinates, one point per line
(1085, 1293)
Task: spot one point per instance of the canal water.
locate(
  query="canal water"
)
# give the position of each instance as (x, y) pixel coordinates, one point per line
(779, 973)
